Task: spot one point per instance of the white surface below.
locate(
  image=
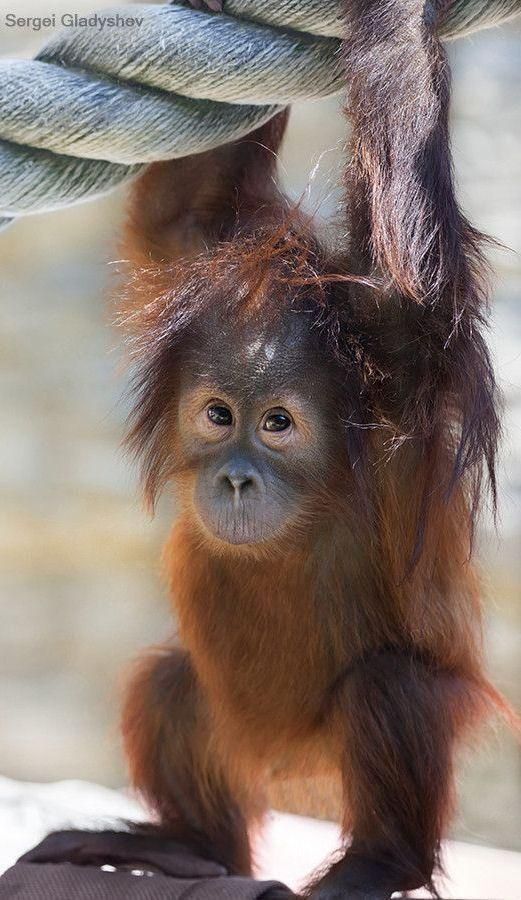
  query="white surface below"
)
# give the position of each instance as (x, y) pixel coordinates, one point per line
(290, 848)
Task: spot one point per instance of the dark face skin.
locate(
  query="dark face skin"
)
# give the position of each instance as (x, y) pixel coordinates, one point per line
(257, 424)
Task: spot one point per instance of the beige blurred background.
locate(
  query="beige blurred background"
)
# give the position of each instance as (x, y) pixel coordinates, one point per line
(80, 588)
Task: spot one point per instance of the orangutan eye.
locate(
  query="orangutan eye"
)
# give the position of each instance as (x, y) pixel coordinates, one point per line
(220, 415)
(277, 421)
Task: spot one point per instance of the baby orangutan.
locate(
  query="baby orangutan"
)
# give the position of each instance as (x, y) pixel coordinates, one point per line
(326, 420)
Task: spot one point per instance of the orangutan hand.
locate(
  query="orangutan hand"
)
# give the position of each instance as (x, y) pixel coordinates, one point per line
(213, 5)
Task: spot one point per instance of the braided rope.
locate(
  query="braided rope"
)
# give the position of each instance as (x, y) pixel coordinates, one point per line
(96, 104)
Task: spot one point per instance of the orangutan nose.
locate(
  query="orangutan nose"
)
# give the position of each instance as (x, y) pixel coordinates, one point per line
(239, 478)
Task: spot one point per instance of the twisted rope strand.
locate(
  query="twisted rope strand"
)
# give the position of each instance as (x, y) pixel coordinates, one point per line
(96, 104)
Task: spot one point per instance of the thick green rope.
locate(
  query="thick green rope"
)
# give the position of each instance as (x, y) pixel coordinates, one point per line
(96, 104)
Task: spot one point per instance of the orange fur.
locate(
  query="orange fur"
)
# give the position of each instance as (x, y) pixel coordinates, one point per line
(351, 643)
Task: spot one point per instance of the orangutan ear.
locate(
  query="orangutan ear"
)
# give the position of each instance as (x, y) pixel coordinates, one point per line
(183, 206)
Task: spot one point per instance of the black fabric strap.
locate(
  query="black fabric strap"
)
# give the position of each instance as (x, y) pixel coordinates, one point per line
(76, 865)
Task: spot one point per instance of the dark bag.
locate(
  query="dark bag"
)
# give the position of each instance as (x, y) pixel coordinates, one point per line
(108, 865)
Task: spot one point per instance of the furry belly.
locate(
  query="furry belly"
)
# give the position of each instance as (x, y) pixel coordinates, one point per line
(263, 691)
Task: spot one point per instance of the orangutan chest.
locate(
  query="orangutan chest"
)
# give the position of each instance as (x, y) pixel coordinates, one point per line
(252, 651)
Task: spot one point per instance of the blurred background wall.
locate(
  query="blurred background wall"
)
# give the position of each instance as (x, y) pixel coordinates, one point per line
(80, 587)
